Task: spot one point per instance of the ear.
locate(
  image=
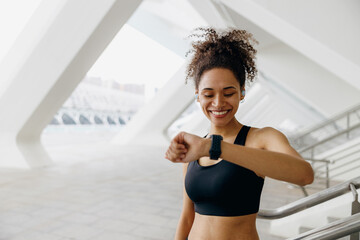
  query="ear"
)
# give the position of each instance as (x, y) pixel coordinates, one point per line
(197, 95)
(242, 93)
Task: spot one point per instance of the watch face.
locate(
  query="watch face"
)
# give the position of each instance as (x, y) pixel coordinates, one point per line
(215, 150)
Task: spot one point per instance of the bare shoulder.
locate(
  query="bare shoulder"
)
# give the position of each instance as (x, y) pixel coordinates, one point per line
(265, 137)
(274, 140)
(270, 132)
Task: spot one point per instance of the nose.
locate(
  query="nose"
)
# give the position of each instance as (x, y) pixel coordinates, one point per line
(218, 101)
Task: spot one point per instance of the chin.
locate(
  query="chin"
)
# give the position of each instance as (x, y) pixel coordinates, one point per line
(220, 123)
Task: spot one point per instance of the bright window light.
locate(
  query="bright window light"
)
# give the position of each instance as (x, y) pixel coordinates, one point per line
(132, 57)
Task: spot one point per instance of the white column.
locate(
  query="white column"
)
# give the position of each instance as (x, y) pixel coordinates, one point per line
(149, 125)
(51, 56)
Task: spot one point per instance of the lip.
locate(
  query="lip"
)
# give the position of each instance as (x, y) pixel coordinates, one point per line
(219, 114)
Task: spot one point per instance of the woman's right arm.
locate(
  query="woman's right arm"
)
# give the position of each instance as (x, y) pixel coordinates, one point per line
(187, 215)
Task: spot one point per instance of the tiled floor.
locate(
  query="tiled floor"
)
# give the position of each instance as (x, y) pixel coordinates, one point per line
(99, 191)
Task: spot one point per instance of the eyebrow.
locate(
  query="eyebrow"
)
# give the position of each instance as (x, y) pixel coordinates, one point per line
(231, 87)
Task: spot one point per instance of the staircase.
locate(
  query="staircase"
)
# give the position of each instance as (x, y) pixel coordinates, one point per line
(334, 211)
(348, 122)
(333, 149)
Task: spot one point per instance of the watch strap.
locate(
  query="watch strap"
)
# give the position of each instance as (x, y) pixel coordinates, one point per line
(215, 149)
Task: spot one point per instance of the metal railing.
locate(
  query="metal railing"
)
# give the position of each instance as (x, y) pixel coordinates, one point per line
(309, 201)
(339, 123)
(335, 128)
(322, 167)
(312, 147)
(340, 228)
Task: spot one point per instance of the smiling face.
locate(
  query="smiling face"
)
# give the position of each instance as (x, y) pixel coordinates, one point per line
(219, 96)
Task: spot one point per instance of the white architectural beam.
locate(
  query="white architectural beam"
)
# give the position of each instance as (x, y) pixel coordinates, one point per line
(340, 32)
(322, 55)
(149, 125)
(314, 85)
(210, 12)
(52, 55)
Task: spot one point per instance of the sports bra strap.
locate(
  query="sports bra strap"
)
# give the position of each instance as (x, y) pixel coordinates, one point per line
(241, 137)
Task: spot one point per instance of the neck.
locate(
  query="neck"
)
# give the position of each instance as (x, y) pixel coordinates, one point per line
(233, 127)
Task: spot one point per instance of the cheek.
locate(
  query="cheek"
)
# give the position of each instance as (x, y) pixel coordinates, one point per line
(203, 101)
(236, 103)
(203, 104)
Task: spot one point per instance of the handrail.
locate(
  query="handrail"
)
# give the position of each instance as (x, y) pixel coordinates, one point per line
(318, 160)
(334, 230)
(331, 120)
(329, 138)
(309, 201)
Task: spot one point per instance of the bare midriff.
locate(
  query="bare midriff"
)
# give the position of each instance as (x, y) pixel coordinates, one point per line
(207, 227)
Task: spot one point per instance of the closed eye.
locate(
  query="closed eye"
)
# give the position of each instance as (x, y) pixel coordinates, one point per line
(228, 95)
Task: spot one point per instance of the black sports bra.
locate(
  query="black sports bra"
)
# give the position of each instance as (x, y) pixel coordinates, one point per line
(224, 189)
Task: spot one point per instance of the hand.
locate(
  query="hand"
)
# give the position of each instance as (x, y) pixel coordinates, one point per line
(186, 147)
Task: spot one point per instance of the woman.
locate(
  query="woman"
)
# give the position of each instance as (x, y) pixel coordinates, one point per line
(224, 172)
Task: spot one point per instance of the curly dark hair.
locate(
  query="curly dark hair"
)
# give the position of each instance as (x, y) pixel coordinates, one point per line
(231, 49)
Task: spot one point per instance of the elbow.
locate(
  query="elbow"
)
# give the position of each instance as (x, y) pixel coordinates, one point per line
(307, 180)
(308, 176)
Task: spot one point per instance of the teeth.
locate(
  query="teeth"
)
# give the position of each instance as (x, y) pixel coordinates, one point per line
(219, 113)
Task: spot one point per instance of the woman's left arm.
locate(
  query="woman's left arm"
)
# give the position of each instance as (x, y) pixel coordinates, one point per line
(277, 159)
(274, 158)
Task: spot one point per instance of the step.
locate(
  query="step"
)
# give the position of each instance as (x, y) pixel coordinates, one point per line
(311, 218)
(267, 236)
(263, 229)
(306, 229)
(332, 219)
(303, 229)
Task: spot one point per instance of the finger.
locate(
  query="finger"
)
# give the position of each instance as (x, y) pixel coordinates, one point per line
(177, 146)
(167, 155)
(180, 146)
(173, 156)
(181, 150)
(178, 160)
(181, 156)
(178, 150)
(179, 137)
(172, 147)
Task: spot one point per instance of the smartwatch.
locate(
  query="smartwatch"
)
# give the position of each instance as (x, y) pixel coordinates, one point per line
(215, 149)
